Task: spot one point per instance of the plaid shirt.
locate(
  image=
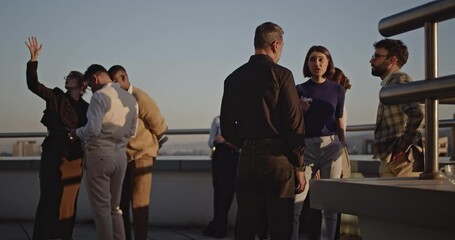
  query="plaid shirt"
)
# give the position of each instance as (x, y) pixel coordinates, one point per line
(397, 126)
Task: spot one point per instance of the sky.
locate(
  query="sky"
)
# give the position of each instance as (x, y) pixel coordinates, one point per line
(180, 52)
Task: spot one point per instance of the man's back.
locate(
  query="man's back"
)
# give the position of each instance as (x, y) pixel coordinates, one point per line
(150, 125)
(119, 120)
(260, 97)
(260, 112)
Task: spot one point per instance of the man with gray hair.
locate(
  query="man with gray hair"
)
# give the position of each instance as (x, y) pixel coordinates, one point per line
(260, 113)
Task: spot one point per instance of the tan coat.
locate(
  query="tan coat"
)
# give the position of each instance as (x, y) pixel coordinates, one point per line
(150, 125)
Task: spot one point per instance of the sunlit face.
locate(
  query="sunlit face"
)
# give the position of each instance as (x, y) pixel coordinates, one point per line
(121, 77)
(317, 63)
(72, 83)
(93, 83)
(380, 63)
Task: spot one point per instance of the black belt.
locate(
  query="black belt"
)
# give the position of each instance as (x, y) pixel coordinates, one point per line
(264, 141)
(227, 145)
(57, 133)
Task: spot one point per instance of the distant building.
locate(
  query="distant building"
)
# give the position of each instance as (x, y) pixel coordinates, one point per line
(443, 146)
(5, 154)
(26, 148)
(362, 142)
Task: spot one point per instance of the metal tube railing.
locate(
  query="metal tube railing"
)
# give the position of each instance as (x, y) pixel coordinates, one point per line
(452, 157)
(431, 169)
(427, 16)
(188, 131)
(436, 11)
(44, 134)
(418, 91)
(446, 123)
(202, 131)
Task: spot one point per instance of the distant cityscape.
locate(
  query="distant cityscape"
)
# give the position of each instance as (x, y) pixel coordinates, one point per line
(358, 144)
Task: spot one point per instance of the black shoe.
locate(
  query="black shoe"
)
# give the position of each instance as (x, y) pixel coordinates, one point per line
(208, 231)
(219, 235)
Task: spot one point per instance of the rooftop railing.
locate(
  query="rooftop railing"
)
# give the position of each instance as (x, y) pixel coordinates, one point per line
(446, 123)
(432, 88)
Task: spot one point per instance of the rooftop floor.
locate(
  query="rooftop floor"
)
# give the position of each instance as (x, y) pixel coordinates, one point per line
(16, 230)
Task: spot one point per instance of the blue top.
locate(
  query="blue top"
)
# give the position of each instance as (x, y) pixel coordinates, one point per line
(325, 108)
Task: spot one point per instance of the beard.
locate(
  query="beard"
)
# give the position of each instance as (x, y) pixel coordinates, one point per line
(378, 71)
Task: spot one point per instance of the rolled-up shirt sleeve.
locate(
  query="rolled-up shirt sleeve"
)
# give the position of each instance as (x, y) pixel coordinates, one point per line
(95, 114)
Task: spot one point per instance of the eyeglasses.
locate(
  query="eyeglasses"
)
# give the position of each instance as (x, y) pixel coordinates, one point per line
(374, 56)
(69, 77)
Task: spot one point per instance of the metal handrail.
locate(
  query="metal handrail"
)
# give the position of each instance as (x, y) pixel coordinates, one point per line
(414, 18)
(199, 131)
(417, 91)
(23, 135)
(427, 16)
(445, 123)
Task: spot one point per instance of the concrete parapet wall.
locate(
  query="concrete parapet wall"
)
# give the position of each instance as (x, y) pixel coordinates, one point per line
(182, 193)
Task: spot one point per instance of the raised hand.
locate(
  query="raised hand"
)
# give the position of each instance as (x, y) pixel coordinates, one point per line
(34, 48)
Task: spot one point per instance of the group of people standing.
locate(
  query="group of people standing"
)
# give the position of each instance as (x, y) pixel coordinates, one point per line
(113, 142)
(289, 133)
(271, 137)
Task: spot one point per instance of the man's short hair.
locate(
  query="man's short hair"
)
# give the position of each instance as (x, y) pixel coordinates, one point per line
(93, 69)
(395, 48)
(114, 69)
(266, 34)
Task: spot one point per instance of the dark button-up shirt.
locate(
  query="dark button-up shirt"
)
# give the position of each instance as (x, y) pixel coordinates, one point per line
(260, 101)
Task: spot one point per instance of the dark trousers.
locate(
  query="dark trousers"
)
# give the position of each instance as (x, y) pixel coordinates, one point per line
(59, 187)
(224, 172)
(265, 180)
(136, 192)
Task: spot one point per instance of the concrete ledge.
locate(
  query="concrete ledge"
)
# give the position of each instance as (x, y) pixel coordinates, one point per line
(163, 163)
(426, 205)
(182, 193)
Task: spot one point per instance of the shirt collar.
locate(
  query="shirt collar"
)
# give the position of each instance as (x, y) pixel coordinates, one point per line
(387, 78)
(260, 57)
(130, 89)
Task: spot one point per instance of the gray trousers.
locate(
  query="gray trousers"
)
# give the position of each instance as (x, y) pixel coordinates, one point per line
(104, 173)
(323, 154)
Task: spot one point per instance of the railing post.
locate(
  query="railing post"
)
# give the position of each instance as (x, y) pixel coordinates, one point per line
(431, 105)
(452, 157)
